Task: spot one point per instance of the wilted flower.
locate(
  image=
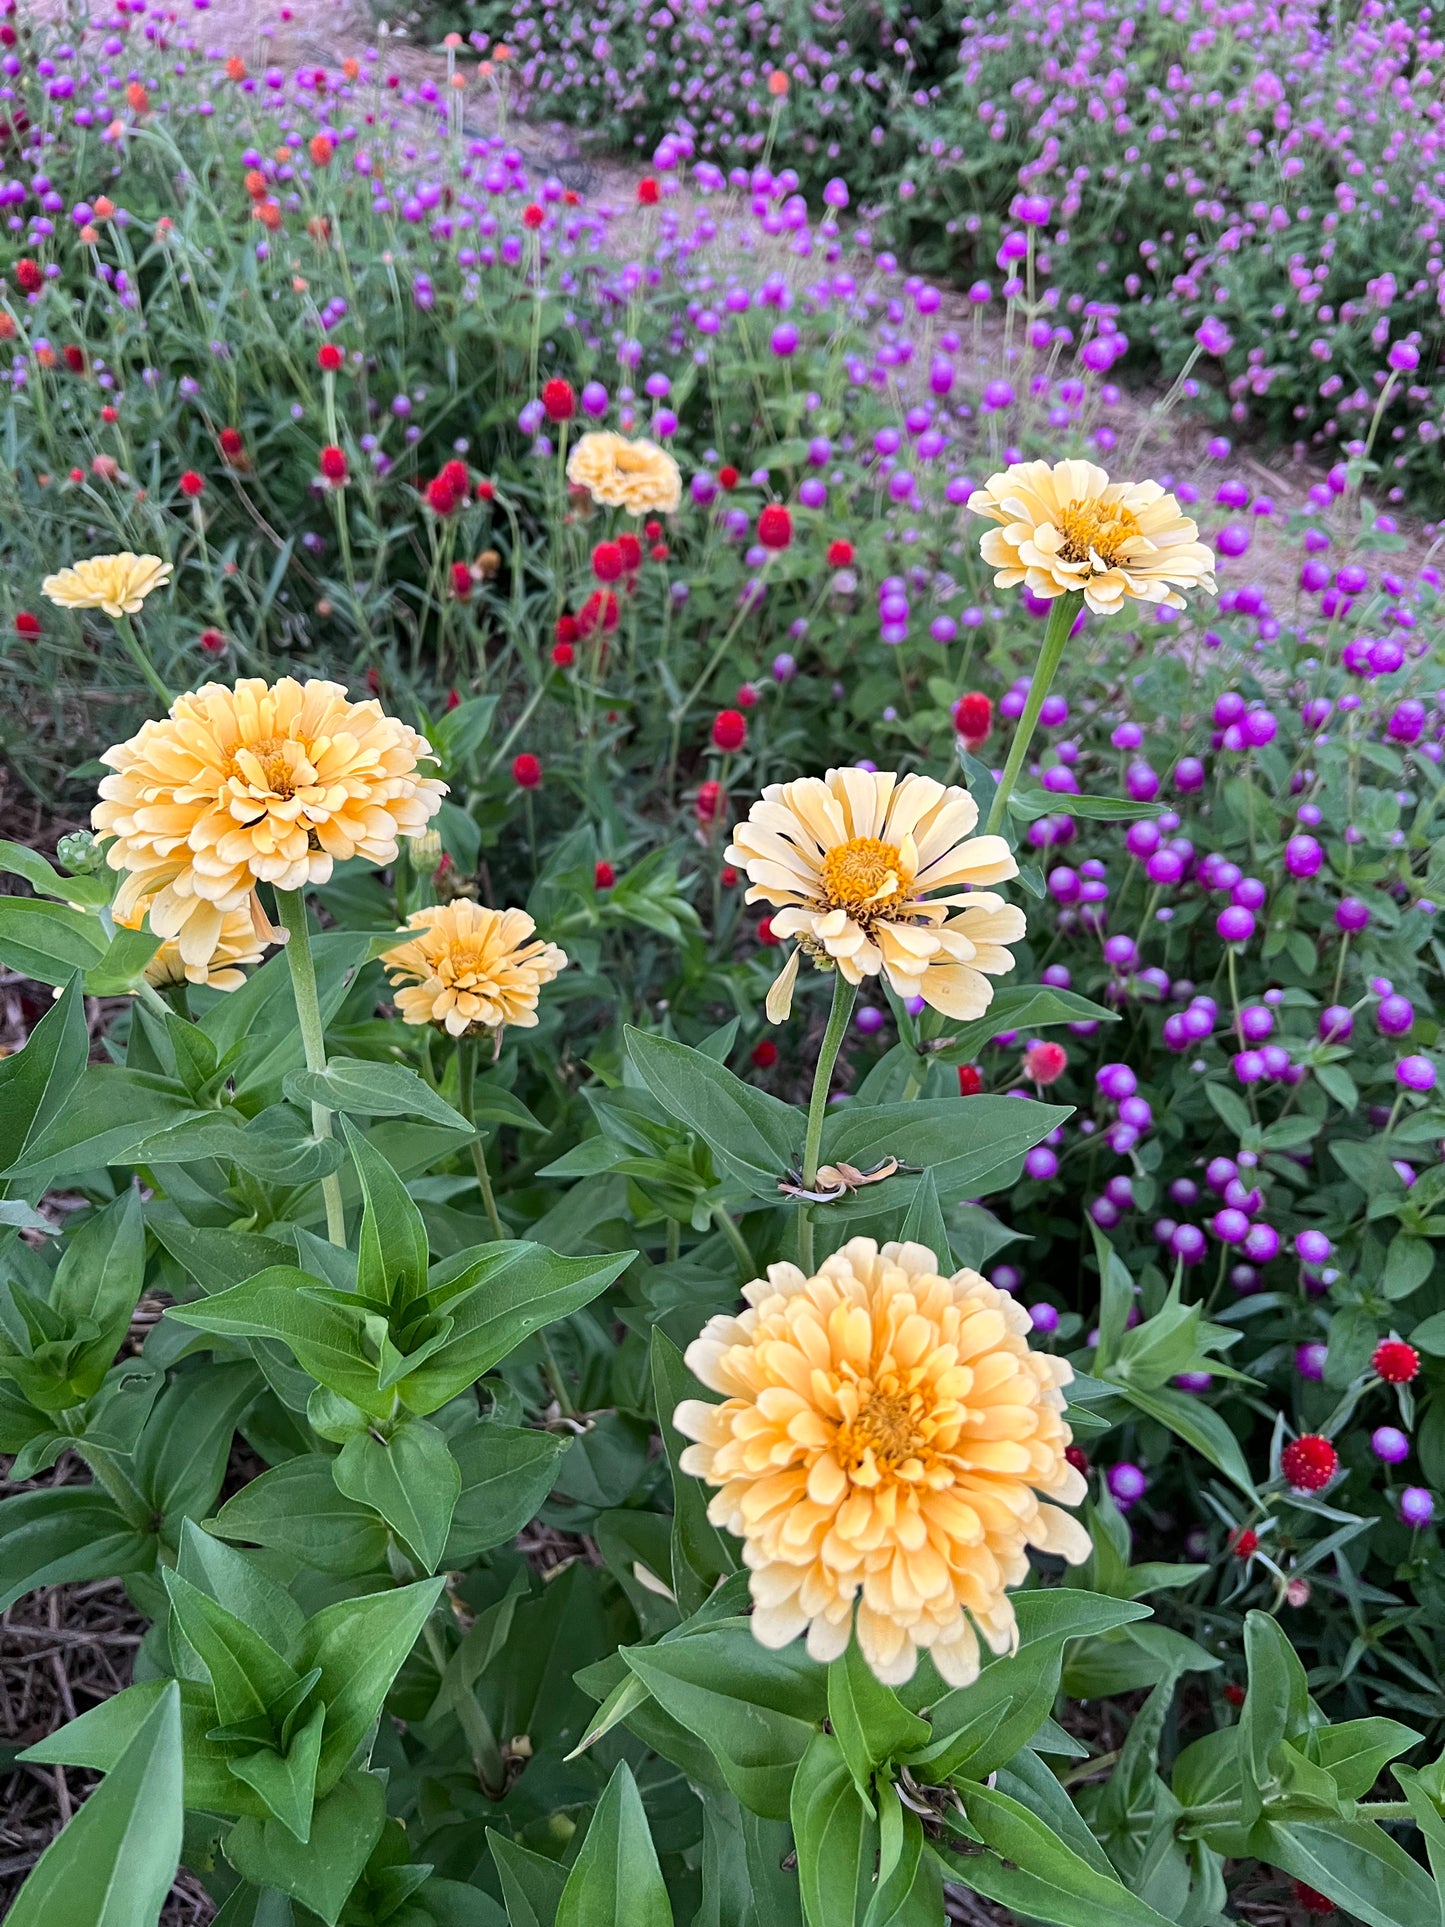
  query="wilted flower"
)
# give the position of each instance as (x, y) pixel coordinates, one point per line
(637, 476)
(885, 1435)
(118, 584)
(470, 968)
(848, 862)
(1069, 528)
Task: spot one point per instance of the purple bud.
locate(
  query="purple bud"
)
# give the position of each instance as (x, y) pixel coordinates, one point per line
(1351, 915)
(1395, 1016)
(1417, 1507)
(1389, 1444)
(1234, 924)
(1044, 1317)
(1309, 1360)
(1231, 1227)
(1415, 1073)
(1188, 1244)
(1336, 1024)
(1312, 1246)
(1127, 1483)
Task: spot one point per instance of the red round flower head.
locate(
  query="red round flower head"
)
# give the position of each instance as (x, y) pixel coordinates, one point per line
(970, 1080)
(709, 795)
(728, 877)
(658, 551)
(599, 611)
(333, 464)
(28, 276)
(231, 443)
(652, 530)
(1311, 1901)
(727, 476)
(213, 642)
(192, 484)
(1077, 1457)
(1234, 1694)
(532, 216)
(75, 360)
(458, 477)
(461, 581)
(563, 655)
(109, 414)
(747, 696)
(765, 1053)
(526, 771)
(567, 630)
(630, 549)
(766, 934)
(329, 357)
(775, 527)
(320, 148)
(729, 730)
(1309, 1462)
(840, 554)
(27, 624)
(372, 680)
(1395, 1361)
(607, 562)
(558, 400)
(441, 497)
(973, 716)
(1045, 1063)
(486, 491)
(1244, 1544)
(647, 191)
(77, 475)
(604, 876)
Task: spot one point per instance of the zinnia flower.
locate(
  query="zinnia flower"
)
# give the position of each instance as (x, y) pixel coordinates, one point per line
(118, 584)
(238, 943)
(884, 1437)
(848, 862)
(268, 783)
(618, 474)
(1070, 528)
(470, 968)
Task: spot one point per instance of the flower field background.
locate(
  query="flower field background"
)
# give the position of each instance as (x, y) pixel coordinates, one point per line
(722, 1139)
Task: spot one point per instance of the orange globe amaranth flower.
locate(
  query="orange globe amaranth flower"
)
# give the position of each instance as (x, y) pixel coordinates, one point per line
(255, 184)
(235, 68)
(137, 99)
(239, 942)
(320, 149)
(268, 213)
(778, 83)
(884, 1438)
(470, 969)
(350, 68)
(620, 474)
(104, 207)
(259, 783)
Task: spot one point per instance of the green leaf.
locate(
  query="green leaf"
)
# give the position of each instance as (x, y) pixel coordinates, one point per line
(36, 1081)
(65, 1535)
(1408, 1263)
(98, 1281)
(247, 1674)
(1276, 1705)
(1199, 1425)
(1231, 1109)
(923, 1224)
(1116, 1299)
(531, 1884)
(181, 1459)
(1428, 1820)
(615, 1880)
(296, 1509)
(1034, 803)
(392, 1258)
(49, 941)
(411, 1479)
(237, 1581)
(506, 1473)
(1355, 1863)
(700, 1554)
(1037, 1874)
(362, 1088)
(18, 860)
(360, 1646)
(755, 1137)
(324, 1336)
(122, 968)
(1356, 1752)
(836, 1836)
(287, 1781)
(107, 1115)
(114, 1864)
(217, 1259)
(345, 1826)
(970, 1146)
(869, 1721)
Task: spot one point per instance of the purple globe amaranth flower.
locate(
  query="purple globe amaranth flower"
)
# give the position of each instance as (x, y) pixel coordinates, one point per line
(1353, 579)
(1259, 727)
(1116, 1081)
(1184, 1191)
(1249, 1066)
(1261, 1244)
(1256, 1023)
(1165, 867)
(1336, 1024)
(1395, 1016)
(1415, 1073)
(1417, 1507)
(1194, 1381)
(1303, 856)
(1121, 952)
(1006, 1277)
(1228, 709)
(1234, 924)
(1407, 721)
(1044, 1317)
(1389, 1444)
(1312, 1247)
(1232, 540)
(1309, 1360)
(869, 1019)
(1189, 775)
(1041, 1163)
(1403, 357)
(1127, 1484)
(1230, 1226)
(1351, 914)
(1188, 1244)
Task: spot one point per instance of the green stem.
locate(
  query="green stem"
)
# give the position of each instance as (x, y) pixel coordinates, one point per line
(141, 660)
(467, 1081)
(842, 1009)
(746, 1268)
(1061, 621)
(292, 906)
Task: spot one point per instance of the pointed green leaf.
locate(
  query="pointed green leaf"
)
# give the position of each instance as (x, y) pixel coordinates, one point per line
(392, 1258)
(360, 1087)
(836, 1836)
(1432, 1827)
(1036, 1874)
(99, 1279)
(324, 1337)
(360, 1646)
(287, 1782)
(531, 1884)
(345, 1826)
(36, 1081)
(615, 1880)
(239, 1583)
(1198, 1425)
(296, 1509)
(924, 1224)
(66, 1534)
(1353, 1862)
(49, 941)
(411, 1479)
(869, 1721)
(506, 1473)
(181, 1458)
(246, 1673)
(755, 1137)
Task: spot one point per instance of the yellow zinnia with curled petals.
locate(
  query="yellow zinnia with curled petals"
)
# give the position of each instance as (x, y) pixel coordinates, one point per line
(117, 584)
(470, 969)
(850, 862)
(264, 783)
(619, 474)
(883, 1441)
(239, 942)
(1068, 528)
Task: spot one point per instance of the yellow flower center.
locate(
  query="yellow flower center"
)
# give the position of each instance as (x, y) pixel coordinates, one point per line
(886, 1426)
(463, 962)
(863, 875)
(275, 766)
(1096, 528)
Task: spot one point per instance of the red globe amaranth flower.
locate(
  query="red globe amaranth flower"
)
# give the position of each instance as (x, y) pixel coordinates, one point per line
(486, 491)
(461, 581)
(329, 358)
(1045, 1063)
(231, 443)
(109, 415)
(1244, 1544)
(1309, 1463)
(728, 877)
(630, 549)
(652, 530)
(532, 216)
(441, 497)
(727, 476)
(658, 551)
(75, 360)
(27, 624)
(137, 99)
(647, 191)
(775, 527)
(192, 484)
(213, 642)
(558, 400)
(372, 680)
(765, 1053)
(729, 730)
(709, 795)
(766, 934)
(1234, 1694)
(77, 475)
(604, 876)
(458, 477)
(1311, 1901)
(454, 699)
(333, 465)
(28, 276)
(1395, 1361)
(526, 771)
(840, 554)
(970, 1080)
(1078, 1458)
(567, 630)
(607, 562)
(747, 696)
(599, 611)
(973, 716)
(563, 654)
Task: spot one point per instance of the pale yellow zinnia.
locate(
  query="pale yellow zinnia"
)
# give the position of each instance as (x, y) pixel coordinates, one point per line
(1068, 528)
(884, 1438)
(470, 969)
(261, 783)
(239, 943)
(118, 584)
(619, 474)
(850, 863)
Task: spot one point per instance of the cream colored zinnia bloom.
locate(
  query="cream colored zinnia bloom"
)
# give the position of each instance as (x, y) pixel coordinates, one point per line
(118, 584)
(238, 943)
(261, 783)
(1069, 528)
(849, 863)
(470, 968)
(884, 1438)
(619, 474)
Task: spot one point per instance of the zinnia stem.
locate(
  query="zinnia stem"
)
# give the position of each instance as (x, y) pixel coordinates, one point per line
(1061, 621)
(843, 996)
(292, 905)
(467, 1081)
(142, 661)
